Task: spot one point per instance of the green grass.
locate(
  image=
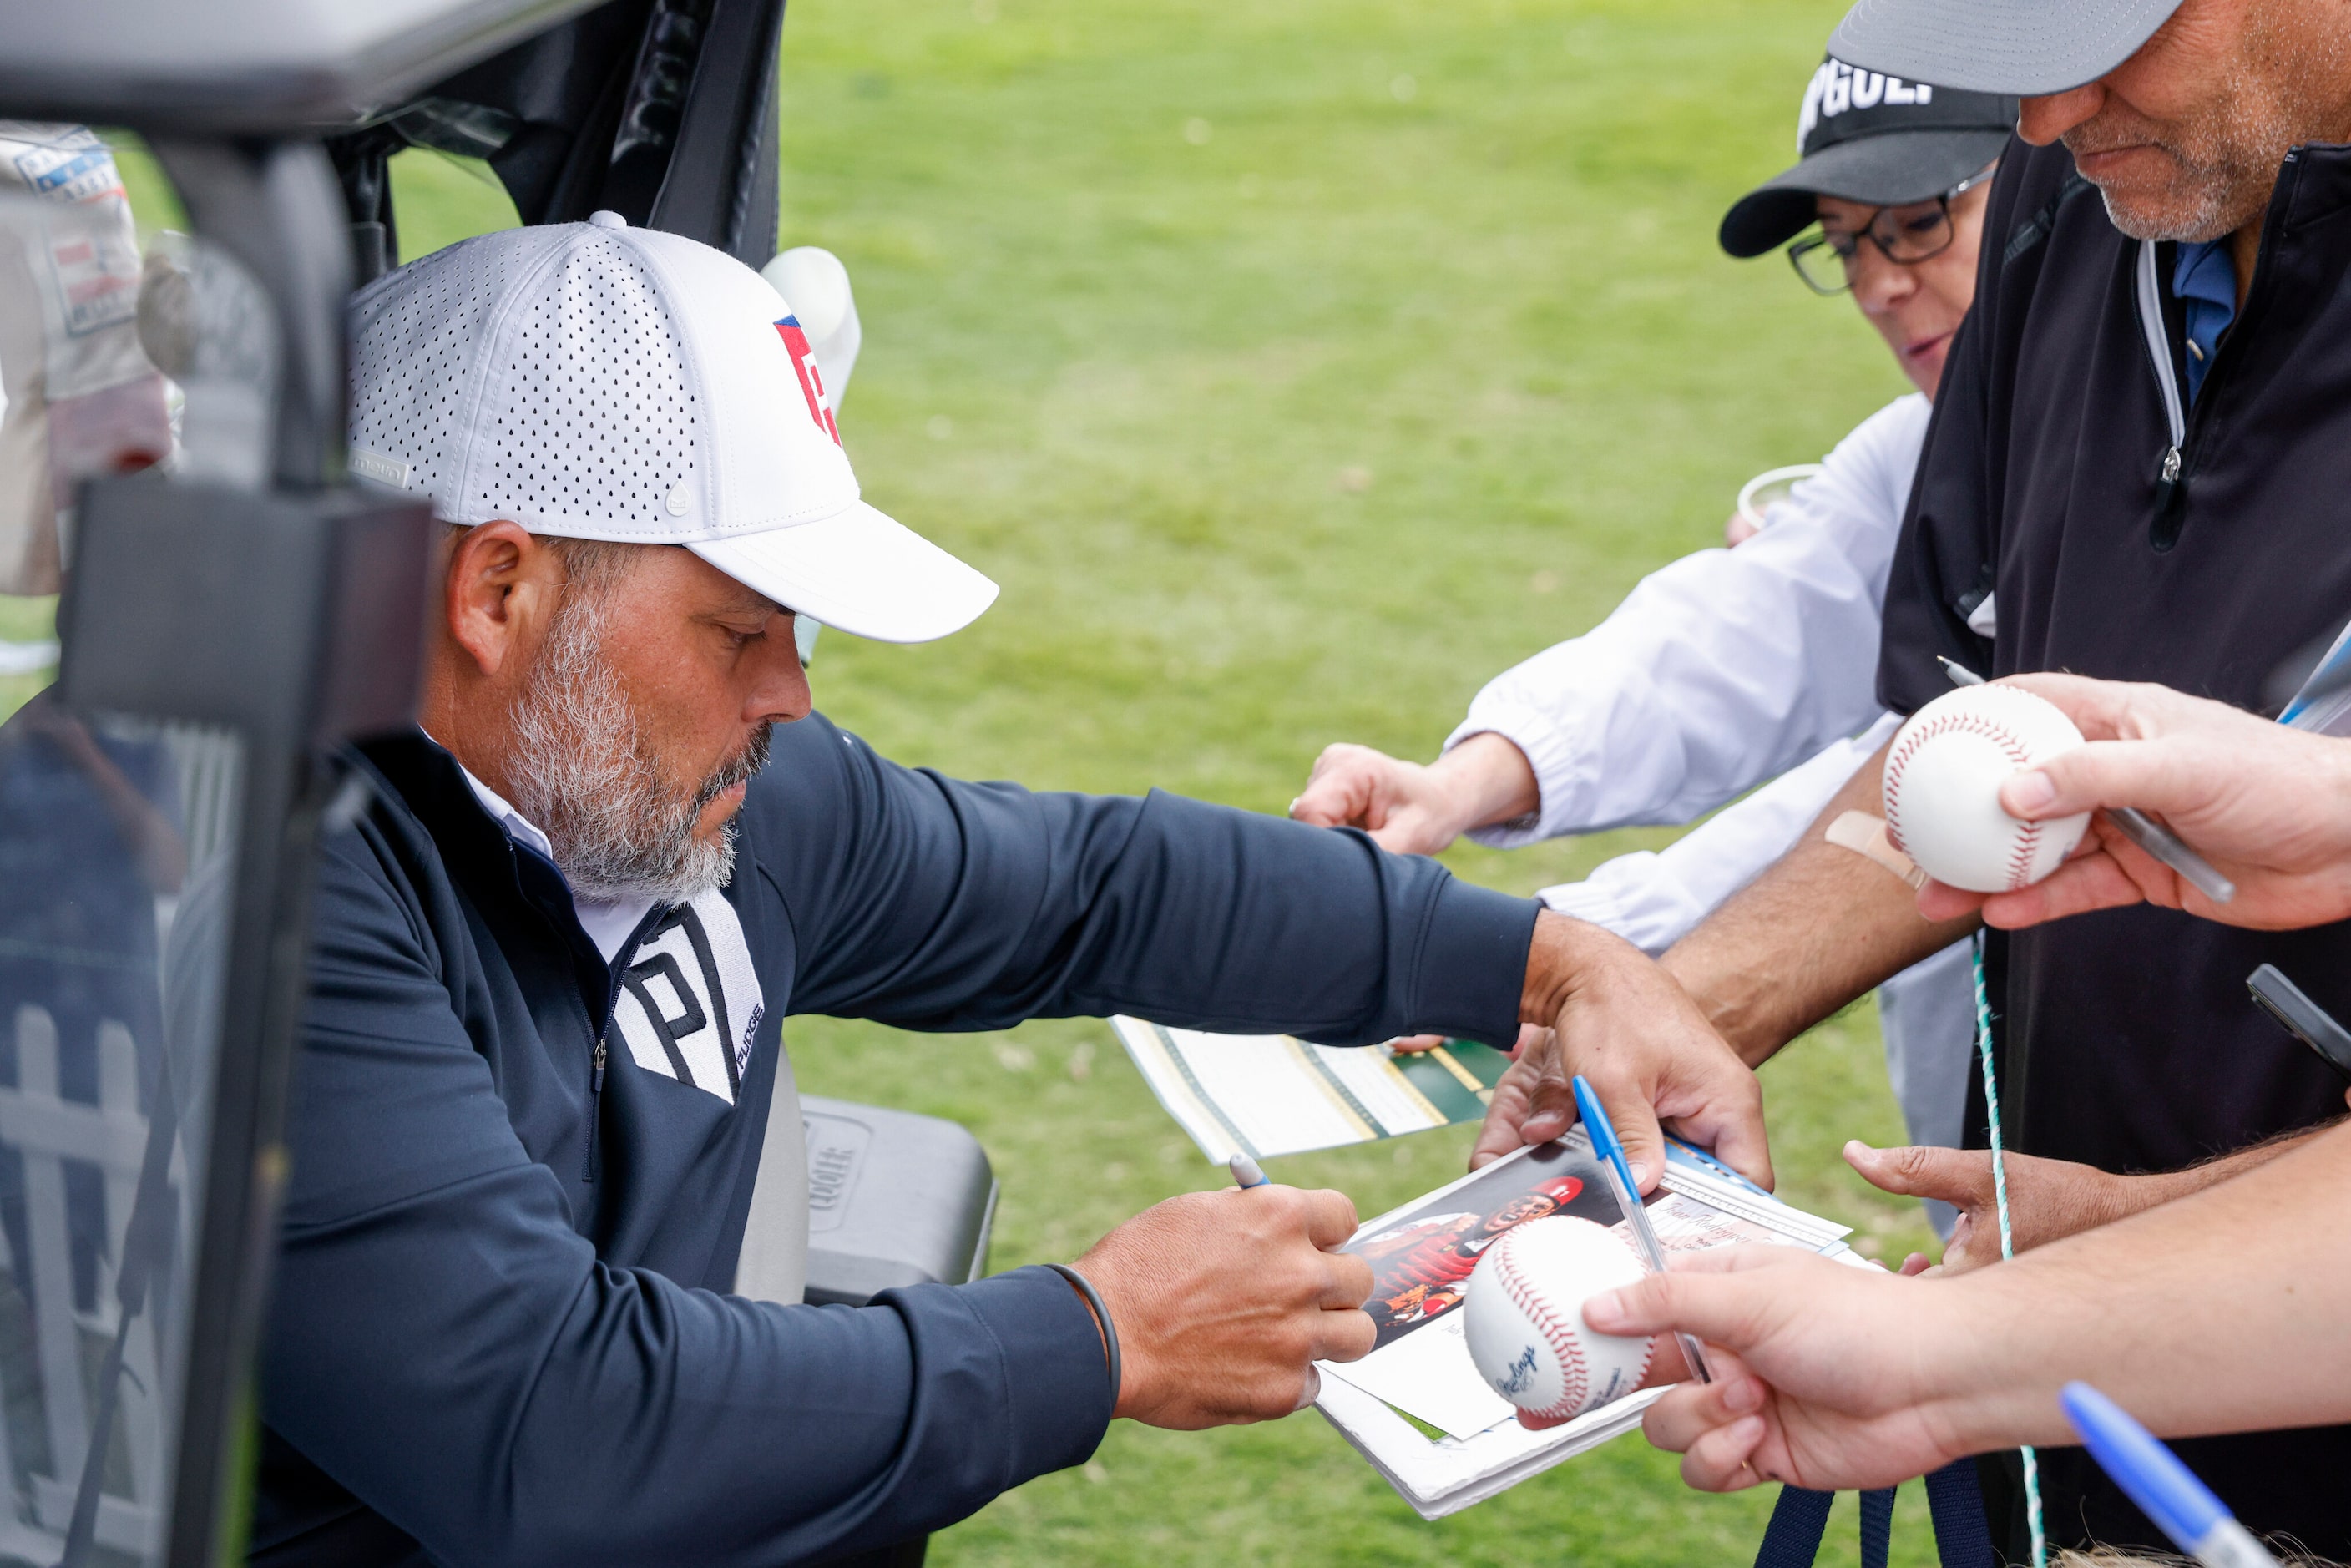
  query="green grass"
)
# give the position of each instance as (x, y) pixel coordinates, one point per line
(1289, 401)
(1128, 370)
(24, 620)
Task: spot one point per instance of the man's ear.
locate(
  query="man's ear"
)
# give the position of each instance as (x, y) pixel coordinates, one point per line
(500, 592)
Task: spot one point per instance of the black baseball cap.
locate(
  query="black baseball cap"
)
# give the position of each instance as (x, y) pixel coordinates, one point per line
(2023, 47)
(1873, 138)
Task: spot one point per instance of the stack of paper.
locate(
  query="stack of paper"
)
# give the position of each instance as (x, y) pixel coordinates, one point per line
(1271, 1094)
(1263, 1095)
(1421, 1257)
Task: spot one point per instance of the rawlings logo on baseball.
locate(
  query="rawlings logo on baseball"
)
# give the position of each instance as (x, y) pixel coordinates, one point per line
(1524, 1318)
(1943, 775)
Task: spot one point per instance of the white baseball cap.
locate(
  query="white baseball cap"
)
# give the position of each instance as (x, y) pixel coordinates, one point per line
(599, 381)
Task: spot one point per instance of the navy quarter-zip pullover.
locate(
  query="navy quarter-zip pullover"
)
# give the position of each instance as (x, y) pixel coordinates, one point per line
(2203, 557)
(500, 1332)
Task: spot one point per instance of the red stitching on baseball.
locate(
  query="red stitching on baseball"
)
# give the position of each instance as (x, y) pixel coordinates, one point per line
(1575, 1379)
(1960, 722)
(2019, 862)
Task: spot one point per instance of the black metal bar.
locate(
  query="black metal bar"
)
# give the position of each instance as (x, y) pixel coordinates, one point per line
(289, 620)
(277, 207)
(719, 185)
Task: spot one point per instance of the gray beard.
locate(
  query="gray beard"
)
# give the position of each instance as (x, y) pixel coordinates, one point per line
(2201, 218)
(2229, 165)
(581, 771)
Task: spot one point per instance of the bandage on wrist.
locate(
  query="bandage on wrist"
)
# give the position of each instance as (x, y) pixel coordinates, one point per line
(1864, 834)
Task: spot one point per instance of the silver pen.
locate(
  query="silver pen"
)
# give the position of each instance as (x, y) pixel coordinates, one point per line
(2137, 825)
(1247, 1174)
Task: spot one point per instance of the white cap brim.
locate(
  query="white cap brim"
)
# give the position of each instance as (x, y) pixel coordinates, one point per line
(859, 570)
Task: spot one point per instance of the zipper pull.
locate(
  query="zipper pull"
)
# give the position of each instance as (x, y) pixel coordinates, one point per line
(595, 1109)
(2170, 502)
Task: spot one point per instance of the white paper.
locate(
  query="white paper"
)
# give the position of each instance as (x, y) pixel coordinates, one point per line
(1426, 1371)
(1271, 1094)
(1429, 1374)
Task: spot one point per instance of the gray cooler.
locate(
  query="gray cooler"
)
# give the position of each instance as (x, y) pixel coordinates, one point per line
(895, 1198)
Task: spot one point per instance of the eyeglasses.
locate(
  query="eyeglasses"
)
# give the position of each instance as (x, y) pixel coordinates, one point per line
(1904, 235)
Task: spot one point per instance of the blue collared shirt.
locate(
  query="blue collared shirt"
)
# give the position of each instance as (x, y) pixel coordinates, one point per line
(2204, 277)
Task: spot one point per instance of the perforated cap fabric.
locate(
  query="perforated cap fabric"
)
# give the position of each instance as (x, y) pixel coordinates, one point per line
(596, 380)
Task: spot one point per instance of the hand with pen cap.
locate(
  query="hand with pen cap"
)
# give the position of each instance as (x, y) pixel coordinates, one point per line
(2270, 807)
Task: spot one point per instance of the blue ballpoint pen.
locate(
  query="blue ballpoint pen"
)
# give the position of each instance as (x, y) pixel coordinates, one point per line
(2165, 1490)
(1611, 1153)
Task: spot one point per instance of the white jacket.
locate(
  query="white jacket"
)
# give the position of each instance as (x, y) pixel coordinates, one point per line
(1726, 669)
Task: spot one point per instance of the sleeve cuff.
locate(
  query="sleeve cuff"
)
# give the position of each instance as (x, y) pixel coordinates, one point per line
(1549, 751)
(1473, 964)
(1583, 901)
(1053, 1384)
(1637, 896)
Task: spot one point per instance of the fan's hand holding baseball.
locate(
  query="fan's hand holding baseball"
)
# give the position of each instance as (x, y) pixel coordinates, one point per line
(2268, 806)
(1817, 1377)
(2047, 1199)
(1224, 1299)
(1523, 1320)
(1628, 1027)
(1944, 772)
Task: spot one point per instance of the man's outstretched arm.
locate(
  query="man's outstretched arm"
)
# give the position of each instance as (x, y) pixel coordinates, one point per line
(934, 904)
(937, 904)
(1813, 933)
(2220, 1313)
(1816, 930)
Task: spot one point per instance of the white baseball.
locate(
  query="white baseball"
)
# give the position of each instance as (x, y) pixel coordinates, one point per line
(1524, 1318)
(1942, 788)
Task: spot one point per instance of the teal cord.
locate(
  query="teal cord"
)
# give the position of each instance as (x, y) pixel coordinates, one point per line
(2007, 1241)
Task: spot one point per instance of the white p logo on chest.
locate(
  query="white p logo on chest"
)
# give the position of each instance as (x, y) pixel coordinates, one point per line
(690, 1005)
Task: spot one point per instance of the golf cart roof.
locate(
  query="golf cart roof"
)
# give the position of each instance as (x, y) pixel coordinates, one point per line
(662, 110)
(247, 65)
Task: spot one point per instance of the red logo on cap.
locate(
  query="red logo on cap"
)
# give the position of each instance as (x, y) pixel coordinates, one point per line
(796, 343)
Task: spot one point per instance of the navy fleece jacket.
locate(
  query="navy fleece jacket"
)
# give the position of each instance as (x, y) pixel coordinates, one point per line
(500, 1332)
